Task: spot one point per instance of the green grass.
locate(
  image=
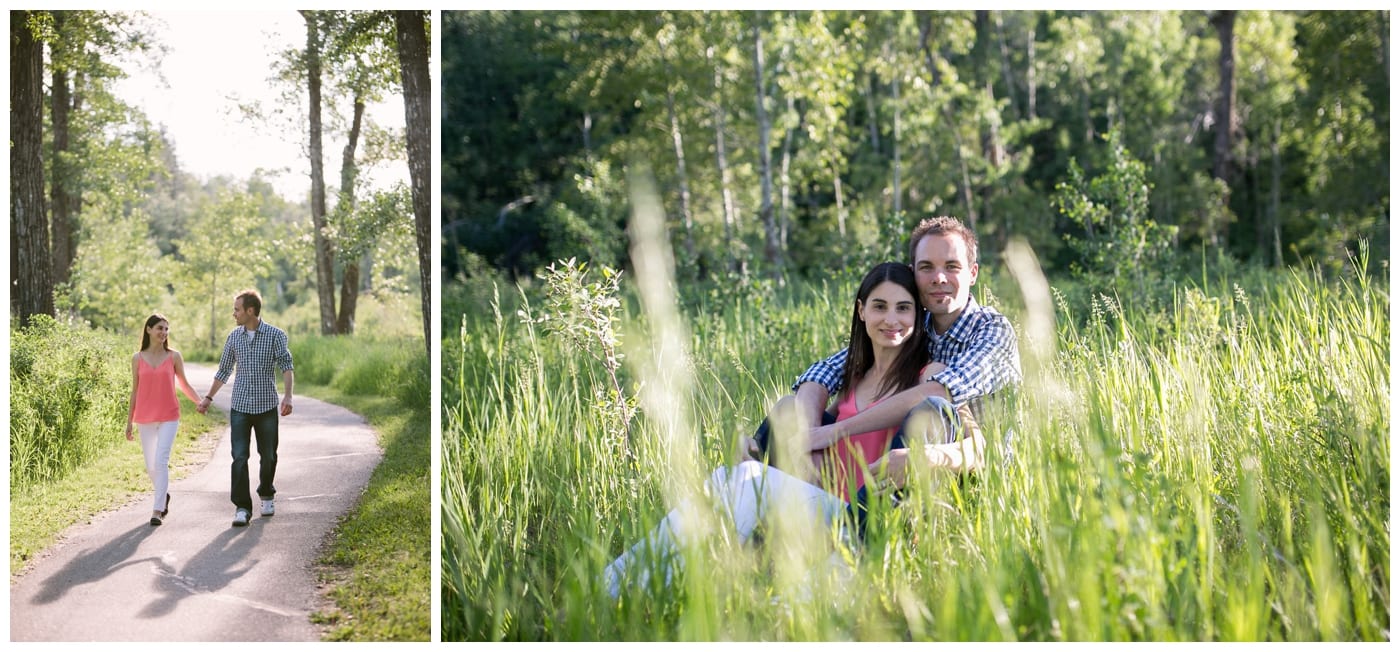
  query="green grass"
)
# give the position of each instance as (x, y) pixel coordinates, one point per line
(378, 565)
(1213, 465)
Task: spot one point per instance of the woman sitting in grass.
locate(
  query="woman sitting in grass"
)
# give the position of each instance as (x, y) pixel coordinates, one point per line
(155, 409)
(887, 352)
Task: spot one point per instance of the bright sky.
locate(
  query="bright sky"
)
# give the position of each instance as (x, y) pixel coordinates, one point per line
(219, 59)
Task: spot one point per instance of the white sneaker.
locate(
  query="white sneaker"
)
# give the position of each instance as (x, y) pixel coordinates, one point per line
(268, 509)
(240, 517)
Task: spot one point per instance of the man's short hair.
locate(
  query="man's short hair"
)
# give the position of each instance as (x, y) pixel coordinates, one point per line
(943, 225)
(251, 301)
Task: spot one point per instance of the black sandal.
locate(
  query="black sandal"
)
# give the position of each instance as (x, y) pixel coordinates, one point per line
(165, 511)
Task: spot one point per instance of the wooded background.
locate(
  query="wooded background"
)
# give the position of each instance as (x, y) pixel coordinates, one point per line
(791, 142)
(105, 226)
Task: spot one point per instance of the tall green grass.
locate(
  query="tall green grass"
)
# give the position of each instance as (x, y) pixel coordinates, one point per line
(70, 389)
(1216, 470)
(377, 568)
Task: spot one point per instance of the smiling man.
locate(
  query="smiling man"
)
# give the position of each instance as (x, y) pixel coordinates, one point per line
(972, 348)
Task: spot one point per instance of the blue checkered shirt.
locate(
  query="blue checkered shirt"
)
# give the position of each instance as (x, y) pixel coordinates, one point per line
(258, 359)
(979, 351)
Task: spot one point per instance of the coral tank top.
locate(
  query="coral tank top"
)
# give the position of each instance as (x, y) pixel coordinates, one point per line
(155, 391)
(854, 452)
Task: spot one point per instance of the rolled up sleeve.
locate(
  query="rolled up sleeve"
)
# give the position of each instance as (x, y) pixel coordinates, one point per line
(828, 373)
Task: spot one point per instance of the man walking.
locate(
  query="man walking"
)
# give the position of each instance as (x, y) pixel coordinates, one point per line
(255, 348)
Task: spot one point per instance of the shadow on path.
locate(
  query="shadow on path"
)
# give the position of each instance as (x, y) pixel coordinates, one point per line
(94, 564)
(214, 567)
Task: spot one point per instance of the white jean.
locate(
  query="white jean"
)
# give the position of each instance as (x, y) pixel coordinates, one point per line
(748, 493)
(156, 441)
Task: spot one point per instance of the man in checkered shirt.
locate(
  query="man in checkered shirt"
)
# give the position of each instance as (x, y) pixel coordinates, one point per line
(256, 348)
(972, 351)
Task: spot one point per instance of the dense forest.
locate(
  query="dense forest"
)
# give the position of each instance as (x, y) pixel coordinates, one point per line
(792, 141)
(106, 226)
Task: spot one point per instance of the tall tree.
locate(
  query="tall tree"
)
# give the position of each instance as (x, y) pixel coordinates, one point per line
(325, 248)
(731, 226)
(64, 195)
(30, 266)
(771, 252)
(363, 64)
(411, 28)
(664, 37)
(1225, 121)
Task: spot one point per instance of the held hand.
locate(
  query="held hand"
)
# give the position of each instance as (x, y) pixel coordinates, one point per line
(128, 433)
(748, 449)
(822, 437)
(203, 406)
(286, 406)
(896, 467)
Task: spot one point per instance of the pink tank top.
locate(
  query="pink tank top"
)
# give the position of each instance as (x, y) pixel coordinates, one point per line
(155, 392)
(855, 451)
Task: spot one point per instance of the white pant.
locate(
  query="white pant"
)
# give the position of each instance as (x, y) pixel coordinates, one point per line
(748, 492)
(156, 441)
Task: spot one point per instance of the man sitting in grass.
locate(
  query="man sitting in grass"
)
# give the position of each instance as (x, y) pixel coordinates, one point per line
(972, 353)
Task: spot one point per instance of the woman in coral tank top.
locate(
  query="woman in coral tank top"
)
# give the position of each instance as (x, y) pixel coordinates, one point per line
(155, 410)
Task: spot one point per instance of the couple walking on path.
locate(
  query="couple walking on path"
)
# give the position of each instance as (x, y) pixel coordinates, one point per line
(109, 578)
(255, 348)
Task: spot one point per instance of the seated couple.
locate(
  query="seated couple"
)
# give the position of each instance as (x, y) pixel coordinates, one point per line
(931, 366)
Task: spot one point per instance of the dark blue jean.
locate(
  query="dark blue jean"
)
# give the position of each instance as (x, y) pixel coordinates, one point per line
(244, 427)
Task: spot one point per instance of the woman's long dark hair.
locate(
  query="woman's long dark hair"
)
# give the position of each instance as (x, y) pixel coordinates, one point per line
(860, 352)
(154, 319)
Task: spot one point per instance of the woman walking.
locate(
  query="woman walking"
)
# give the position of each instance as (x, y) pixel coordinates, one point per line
(155, 410)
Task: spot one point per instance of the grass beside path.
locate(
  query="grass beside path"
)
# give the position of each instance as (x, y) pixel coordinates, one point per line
(378, 564)
(39, 513)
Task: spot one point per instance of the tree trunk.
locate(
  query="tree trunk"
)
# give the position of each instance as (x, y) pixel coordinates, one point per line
(786, 191)
(325, 251)
(678, 143)
(722, 161)
(771, 253)
(1224, 22)
(411, 28)
(1030, 74)
(1276, 180)
(345, 208)
(30, 267)
(898, 128)
(870, 111)
(1007, 76)
(840, 201)
(63, 193)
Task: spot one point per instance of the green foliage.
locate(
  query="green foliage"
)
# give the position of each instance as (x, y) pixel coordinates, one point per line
(1216, 470)
(1119, 238)
(984, 110)
(118, 274)
(584, 313)
(388, 367)
(69, 393)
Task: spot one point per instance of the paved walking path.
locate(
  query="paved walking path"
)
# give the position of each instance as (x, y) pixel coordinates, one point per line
(197, 578)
